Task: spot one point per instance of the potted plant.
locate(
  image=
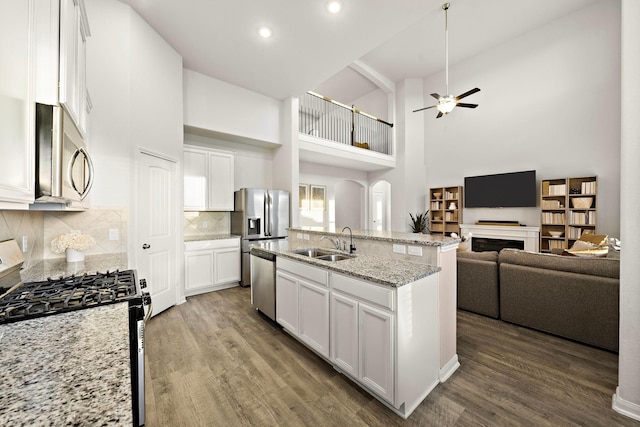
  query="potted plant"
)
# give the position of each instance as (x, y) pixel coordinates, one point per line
(419, 222)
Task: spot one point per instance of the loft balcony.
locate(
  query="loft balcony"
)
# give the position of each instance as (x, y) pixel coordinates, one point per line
(338, 135)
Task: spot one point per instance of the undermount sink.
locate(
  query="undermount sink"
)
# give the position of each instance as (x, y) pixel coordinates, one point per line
(321, 254)
(312, 253)
(333, 257)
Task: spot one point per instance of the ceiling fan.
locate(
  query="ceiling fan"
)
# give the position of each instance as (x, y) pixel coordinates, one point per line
(447, 103)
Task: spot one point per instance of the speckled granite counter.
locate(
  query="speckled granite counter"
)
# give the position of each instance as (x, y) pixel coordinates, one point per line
(59, 267)
(388, 236)
(210, 237)
(67, 369)
(376, 269)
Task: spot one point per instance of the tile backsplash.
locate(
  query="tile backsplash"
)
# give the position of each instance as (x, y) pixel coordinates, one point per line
(203, 223)
(40, 227)
(16, 224)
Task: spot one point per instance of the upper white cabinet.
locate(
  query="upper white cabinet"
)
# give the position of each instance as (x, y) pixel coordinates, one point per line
(16, 104)
(208, 179)
(74, 30)
(61, 34)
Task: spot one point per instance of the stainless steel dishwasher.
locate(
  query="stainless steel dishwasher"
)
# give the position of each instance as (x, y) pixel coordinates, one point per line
(263, 283)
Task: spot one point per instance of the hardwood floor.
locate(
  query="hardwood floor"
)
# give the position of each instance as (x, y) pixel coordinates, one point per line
(215, 361)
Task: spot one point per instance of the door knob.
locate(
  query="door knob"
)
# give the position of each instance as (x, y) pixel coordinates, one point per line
(146, 246)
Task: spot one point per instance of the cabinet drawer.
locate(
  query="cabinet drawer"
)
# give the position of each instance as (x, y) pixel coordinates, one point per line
(376, 294)
(211, 244)
(304, 270)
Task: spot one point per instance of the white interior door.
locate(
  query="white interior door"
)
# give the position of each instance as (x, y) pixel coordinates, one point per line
(156, 252)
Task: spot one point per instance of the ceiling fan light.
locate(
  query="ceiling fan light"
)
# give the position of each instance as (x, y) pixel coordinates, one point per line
(446, 105)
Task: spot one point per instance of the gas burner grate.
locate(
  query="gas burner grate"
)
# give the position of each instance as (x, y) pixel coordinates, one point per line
(68, 293)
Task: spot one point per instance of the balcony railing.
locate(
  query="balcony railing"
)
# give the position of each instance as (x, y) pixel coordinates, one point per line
(328, 119)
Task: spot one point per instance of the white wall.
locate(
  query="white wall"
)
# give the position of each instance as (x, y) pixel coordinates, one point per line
(215, 105)
(549, 101)
(375, 103)
(253, 166)
(108, 82)
(350, 205)
(627, 397)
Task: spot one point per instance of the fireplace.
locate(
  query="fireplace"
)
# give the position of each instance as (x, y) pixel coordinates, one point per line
(527, 238)
(483, 244)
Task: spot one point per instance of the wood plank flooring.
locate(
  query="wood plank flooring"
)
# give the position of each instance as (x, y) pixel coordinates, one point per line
(215, 361)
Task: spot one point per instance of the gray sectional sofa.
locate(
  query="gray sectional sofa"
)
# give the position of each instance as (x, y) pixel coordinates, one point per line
(573, 297)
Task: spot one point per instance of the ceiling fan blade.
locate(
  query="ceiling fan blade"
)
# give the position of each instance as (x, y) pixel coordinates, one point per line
(462, 104)
(436, 96)
(467, 93)
(425, 108)
(439, 114)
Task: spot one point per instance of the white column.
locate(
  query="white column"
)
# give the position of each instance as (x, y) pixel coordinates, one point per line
(626, 400)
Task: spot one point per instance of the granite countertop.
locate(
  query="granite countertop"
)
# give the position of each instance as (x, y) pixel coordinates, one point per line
(59, 267)
(385, 271)
(202, 237)
(388, 236)
(67, 369)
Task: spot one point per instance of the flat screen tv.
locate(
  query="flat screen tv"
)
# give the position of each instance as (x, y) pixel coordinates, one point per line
(503, 190)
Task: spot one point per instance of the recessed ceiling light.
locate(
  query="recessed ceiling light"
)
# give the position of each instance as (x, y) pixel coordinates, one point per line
(334, 6)
(264, 31)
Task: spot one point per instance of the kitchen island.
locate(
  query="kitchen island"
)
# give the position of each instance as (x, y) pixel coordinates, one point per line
(375, 319)
(432, 250)
(67, 369)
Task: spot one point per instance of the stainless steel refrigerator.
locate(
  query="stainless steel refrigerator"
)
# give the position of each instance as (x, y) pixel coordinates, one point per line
(259, 215)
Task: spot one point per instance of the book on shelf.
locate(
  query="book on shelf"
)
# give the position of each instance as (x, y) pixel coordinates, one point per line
(588, 187)
(582, 218)
(557, 189)
(553, 218)
(551, 204)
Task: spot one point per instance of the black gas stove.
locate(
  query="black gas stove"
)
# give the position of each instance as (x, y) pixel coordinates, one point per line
(52, 296)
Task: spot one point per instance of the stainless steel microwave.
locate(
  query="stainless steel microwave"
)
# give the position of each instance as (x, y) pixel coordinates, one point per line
(64, 171)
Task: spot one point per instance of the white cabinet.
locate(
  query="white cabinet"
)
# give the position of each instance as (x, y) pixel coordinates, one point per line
(362, 332)
(287, 301)
(16, 107)
(376, 349)
(386, 339)
(211, 265)
(302, 303)
(208, 179)
(314, 316)
(74, 30)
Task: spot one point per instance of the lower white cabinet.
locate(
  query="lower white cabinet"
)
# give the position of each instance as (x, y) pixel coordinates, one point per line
(386, 339)
(362, 333)
(211, 265)
(302, 303)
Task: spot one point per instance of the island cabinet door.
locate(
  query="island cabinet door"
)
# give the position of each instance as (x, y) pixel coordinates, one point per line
(375, 344)
(314, 316)
(344, 334)
(287, 302)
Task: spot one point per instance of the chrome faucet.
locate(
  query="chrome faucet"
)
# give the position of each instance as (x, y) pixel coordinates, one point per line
(352, 247)
(336, 242)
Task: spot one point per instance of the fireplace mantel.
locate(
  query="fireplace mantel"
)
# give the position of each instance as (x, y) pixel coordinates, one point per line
(529, 235)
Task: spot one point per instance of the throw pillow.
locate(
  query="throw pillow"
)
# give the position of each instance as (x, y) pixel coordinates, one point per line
(590, 245)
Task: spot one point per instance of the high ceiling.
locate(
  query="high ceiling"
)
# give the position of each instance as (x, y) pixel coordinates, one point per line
(312, 49)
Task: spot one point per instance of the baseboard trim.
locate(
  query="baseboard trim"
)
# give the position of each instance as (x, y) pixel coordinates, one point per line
(624, 407)
(449, 368)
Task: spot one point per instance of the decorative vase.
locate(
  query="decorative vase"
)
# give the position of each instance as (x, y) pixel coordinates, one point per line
(74, 255)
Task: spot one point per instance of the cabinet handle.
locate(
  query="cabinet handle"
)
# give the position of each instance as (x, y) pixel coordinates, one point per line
(146, 246)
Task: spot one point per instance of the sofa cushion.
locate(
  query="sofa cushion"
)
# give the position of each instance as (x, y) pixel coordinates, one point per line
(602, 267)
(477, 279)
(483, 256)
